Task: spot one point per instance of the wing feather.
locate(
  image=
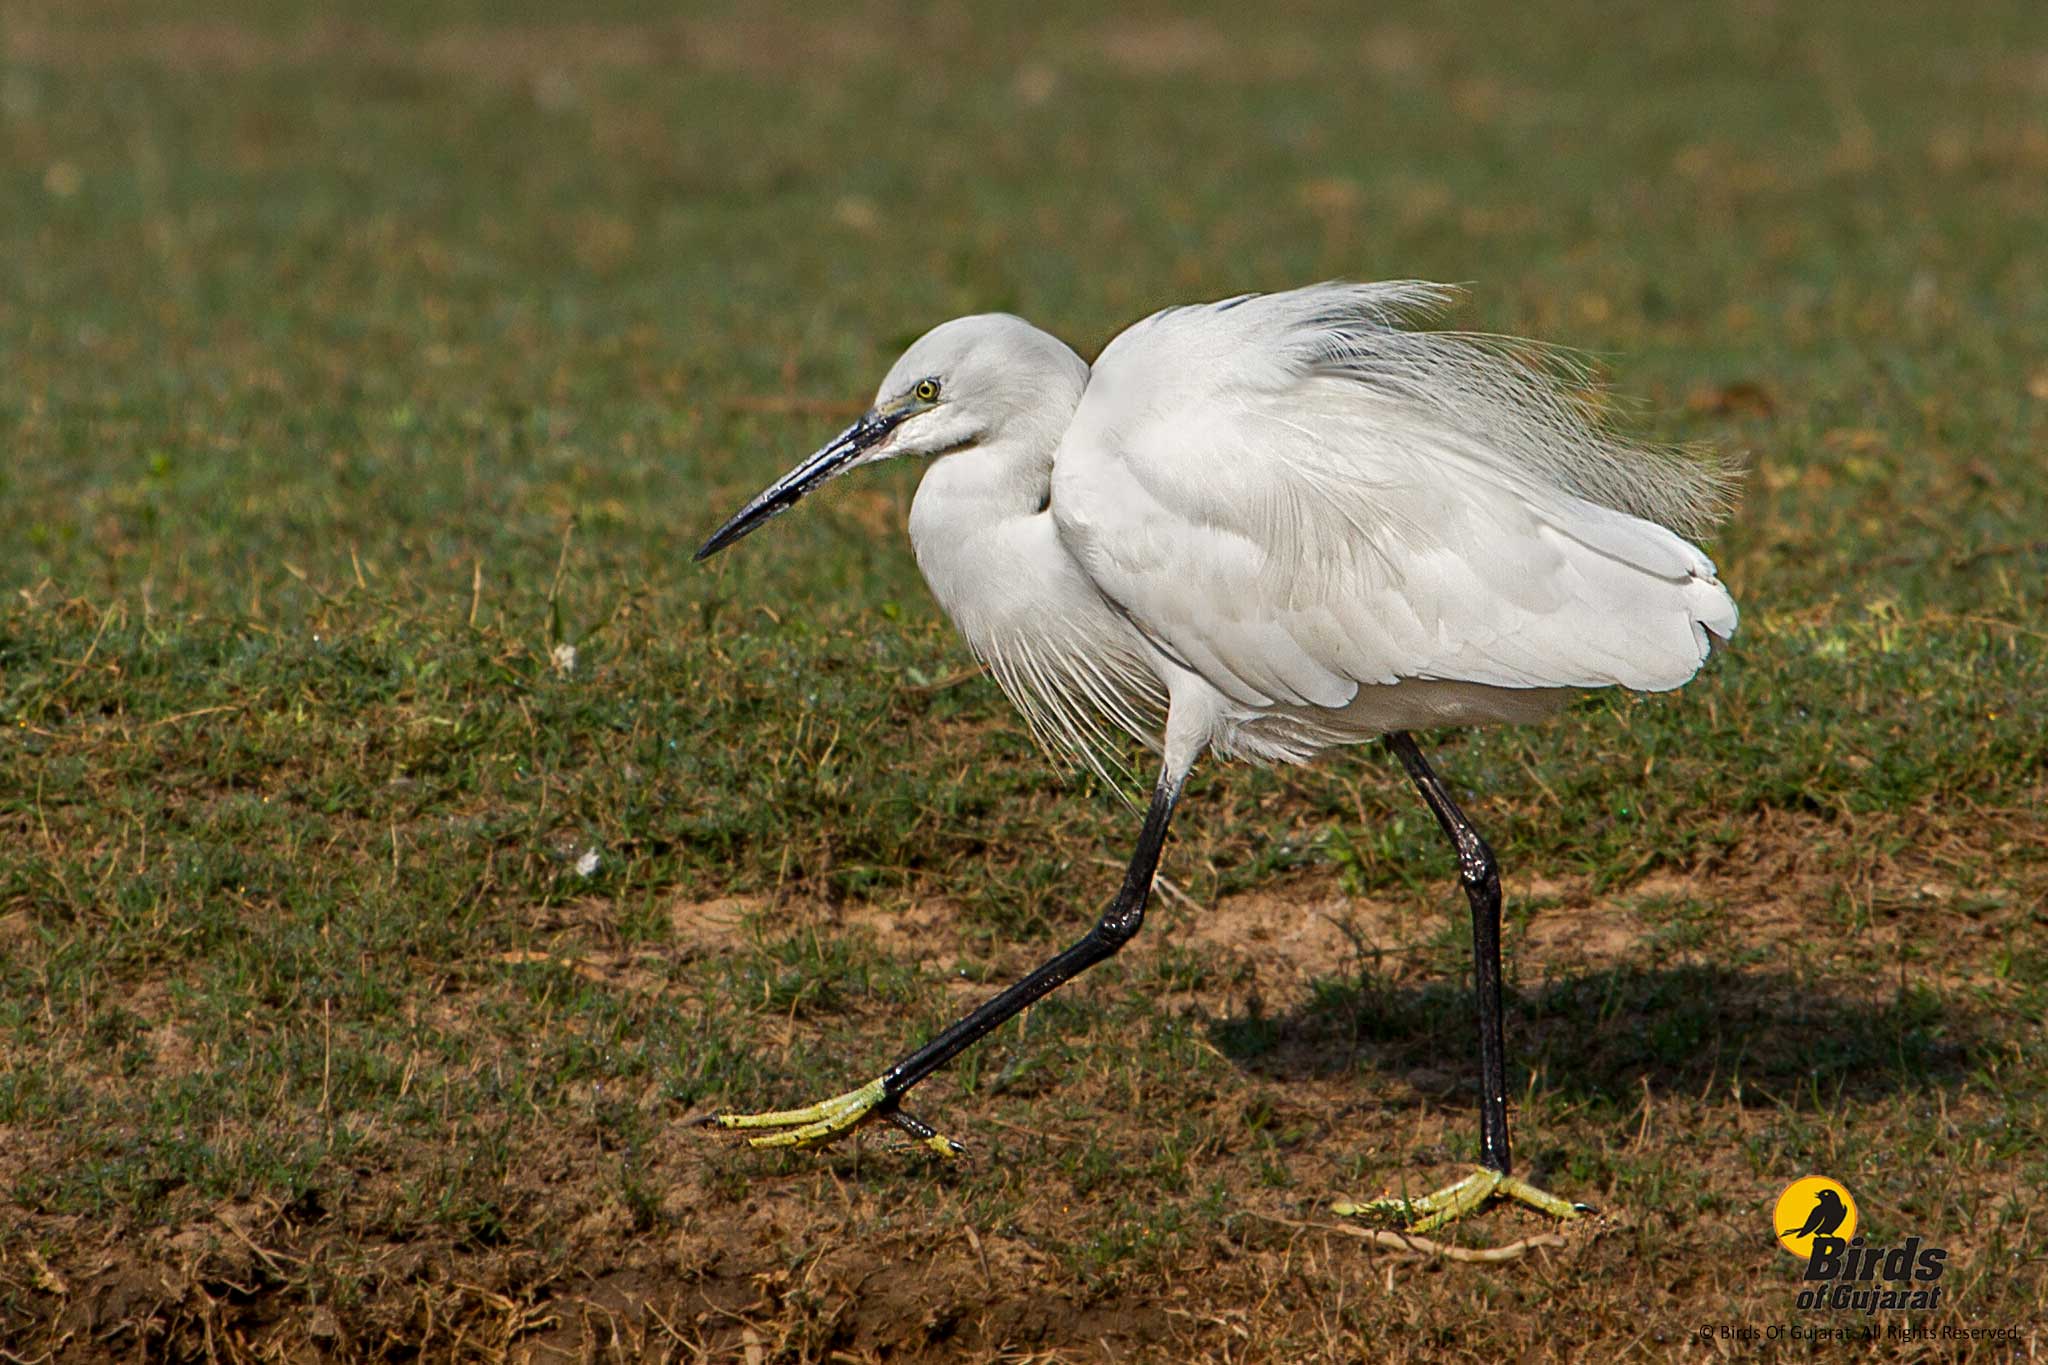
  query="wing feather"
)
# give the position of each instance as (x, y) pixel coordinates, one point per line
(1294, 498)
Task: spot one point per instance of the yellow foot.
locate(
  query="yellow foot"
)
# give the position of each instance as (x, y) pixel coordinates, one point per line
(828, 1120)
(1453, 1202)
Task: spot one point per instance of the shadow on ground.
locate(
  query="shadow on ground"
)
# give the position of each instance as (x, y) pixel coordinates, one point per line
(1602, 1035)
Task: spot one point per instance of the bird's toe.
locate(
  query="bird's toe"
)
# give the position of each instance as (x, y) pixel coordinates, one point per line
(1440, 1208)
(815, 1125)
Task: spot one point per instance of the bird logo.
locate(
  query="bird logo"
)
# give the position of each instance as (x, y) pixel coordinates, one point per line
(1809, 1208)
(1828, 1213)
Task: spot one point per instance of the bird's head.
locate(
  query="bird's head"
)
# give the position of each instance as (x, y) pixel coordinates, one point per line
(958, 385)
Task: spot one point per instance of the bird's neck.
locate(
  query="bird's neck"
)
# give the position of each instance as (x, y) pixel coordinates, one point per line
(979, 507)
(973, 488)
(1008, 473)
(975, 514)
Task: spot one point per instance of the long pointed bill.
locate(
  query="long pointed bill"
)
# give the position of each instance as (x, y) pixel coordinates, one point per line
(842, 453)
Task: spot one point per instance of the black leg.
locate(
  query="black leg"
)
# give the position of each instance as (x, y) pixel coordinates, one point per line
(819, 1123)
(1481, 879)
(1118, 925)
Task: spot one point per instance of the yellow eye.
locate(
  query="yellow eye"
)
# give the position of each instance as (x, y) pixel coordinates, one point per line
(927, 391)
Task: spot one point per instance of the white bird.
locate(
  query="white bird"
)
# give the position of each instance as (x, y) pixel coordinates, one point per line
(1265, 527)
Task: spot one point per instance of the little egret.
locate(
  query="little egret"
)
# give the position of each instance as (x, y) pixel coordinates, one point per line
(1265, 527)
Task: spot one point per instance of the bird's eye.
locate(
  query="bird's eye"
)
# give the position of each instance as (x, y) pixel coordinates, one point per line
(927, 391)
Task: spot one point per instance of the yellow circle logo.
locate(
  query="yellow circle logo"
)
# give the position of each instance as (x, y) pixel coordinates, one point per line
(1813, 1207)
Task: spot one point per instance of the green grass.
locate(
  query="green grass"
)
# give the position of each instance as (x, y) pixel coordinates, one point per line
(348, 370)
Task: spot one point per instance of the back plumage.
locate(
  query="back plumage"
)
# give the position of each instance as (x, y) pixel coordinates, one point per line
(1297, 502)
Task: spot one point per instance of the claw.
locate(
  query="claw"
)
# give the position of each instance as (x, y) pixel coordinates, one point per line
(1454, 1201)
(926, 1134)
(826, 1121)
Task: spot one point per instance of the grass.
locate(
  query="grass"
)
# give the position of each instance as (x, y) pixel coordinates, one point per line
(349, 370)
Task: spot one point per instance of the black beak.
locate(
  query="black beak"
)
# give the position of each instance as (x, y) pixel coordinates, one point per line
(835, 458)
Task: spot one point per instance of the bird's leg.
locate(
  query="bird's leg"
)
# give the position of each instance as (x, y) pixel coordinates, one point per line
(1481, 880)
(1480, 876)
(814, 1125)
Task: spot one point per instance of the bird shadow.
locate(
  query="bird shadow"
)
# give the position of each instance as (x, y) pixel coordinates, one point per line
(1603, 1035)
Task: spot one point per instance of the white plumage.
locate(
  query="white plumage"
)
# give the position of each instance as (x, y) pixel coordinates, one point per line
(1287, 523)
